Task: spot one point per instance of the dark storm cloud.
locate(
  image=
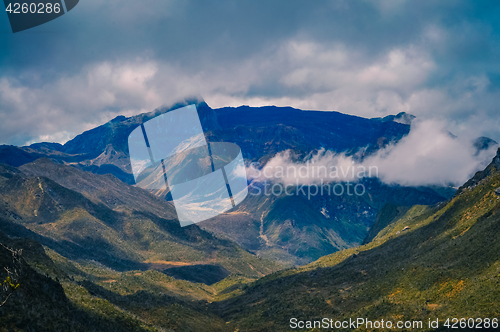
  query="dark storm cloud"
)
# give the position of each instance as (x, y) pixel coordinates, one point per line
(192, 32)
(372, 58)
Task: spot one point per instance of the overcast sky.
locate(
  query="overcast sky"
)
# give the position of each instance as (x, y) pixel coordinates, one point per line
(435, 59)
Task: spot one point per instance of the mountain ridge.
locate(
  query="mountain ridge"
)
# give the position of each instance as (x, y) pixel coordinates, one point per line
(261, 132)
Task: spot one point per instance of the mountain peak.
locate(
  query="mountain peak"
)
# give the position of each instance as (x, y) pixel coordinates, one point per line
(115, 132)
(483, 143)
(119, 118)
(208, 117)
(404, 118)
(401, 117)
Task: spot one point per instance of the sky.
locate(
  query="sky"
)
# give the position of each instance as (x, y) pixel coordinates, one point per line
(437, 60)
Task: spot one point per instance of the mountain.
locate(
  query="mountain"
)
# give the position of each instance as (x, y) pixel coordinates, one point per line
(85, 216)
(264, 131)
(297, 229)
(53, 293)
(483, 143)
(275, 227)
(104, 149)
(428, 262)
(39, 302)
(402, 117)
(259, 131)
(98, 251)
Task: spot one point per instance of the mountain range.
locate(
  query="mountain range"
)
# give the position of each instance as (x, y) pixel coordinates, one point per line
(100, 218)
(419, 263)
(289, 230)
(83, 247)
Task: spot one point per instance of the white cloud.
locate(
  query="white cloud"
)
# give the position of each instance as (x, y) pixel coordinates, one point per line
(321, 77)
(299, 73)
(62, 108)
(428, 155)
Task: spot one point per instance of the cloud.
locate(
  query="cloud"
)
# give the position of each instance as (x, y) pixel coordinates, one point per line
(304, 74)
(321, 167)
(59, 109)
(428, 155)
(368, 58)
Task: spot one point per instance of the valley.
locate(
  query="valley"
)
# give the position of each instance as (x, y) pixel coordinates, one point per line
(113, 254)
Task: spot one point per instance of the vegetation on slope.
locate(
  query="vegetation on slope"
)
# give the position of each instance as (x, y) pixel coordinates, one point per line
(39, 302)
(433, 262)
(122, 227)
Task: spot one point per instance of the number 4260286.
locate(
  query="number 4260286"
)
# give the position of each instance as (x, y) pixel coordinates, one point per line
(478, 323)
(33, 8)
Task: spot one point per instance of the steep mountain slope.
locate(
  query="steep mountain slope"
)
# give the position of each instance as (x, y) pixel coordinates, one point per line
(259, 131)
(439, 261)
(432, 262)
(106, 190)
(57, 294)
(39, 303)
(387, 215)
(122, 227)
(297, 229)
(104, 149)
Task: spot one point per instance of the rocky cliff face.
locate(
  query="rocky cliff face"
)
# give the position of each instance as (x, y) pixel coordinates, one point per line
(480, 176)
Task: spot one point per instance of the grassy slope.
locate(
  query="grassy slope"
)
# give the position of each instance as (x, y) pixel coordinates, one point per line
(101, 250)
(101, 223)
(86, 296)
(446, 265)
(39, 303)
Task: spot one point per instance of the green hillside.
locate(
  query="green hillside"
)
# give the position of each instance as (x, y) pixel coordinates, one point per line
(431, 262)
(289, 230)
(108, 256)
(122, 227)
(35, 301)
